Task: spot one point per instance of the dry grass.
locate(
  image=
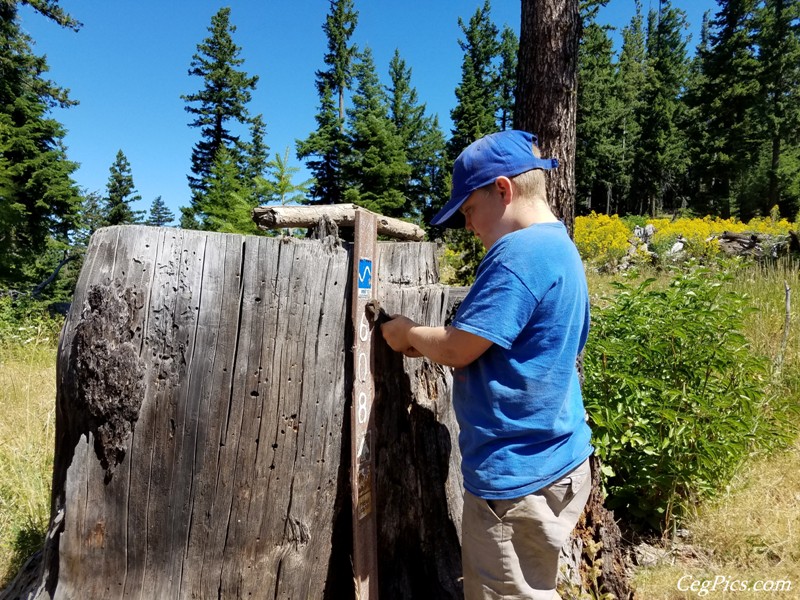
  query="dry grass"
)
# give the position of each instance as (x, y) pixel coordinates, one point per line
(751, 533)
(27, 400)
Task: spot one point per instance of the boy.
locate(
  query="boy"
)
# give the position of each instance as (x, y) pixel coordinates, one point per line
(514, 343)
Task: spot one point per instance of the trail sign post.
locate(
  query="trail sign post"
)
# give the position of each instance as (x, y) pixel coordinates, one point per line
(362, 456)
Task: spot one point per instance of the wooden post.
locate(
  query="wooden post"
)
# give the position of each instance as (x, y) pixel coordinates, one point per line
(362, 461)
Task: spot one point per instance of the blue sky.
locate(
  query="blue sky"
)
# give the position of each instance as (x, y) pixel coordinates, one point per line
(128, 67)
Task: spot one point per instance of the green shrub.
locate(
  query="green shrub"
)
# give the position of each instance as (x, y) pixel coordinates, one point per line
(25, 321)
(675, 393)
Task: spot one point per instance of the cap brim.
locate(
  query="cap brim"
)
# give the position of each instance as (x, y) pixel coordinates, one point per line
(450, 217)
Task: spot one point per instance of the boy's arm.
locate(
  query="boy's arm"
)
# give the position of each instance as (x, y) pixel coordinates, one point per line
(445, 345)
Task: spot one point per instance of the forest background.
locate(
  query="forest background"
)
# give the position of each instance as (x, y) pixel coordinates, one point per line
(665, 124)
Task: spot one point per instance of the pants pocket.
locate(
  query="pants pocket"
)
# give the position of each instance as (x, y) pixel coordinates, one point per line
(500, 508)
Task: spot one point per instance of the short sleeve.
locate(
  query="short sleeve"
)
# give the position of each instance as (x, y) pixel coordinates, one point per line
(498, 306)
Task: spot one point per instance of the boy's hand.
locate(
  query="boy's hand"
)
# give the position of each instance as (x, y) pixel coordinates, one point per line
(395, 332)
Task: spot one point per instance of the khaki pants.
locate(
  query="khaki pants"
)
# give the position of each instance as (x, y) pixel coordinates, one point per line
(510, 548)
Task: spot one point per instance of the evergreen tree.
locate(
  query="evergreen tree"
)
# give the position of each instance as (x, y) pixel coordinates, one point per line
(729, 95)
(434, 174)
(778, 39)
(219, 106)
(39, 202)
(477, 99)
(92, 218)
(160, 215)
(696, 127)
(475, 115)
(121, 193)
(630, 82)
(507, 78)
(228, 202)
(339, 27)
(257, 151)
(423, 142)
(278, 186)
(51, 10)
(661, 160)
(324, 149)
(597, 154)
(377, 170)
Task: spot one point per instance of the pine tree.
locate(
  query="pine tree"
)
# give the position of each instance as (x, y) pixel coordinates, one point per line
(630, 83)
(507, 78)
(477, 97)
(696, 127)
(377, 169)
(778, 39)
(475, 115)
(423, 142)
(257, 154)
(547, 92)
(598, 152)
(121, 193)
(92, 218)
(661, 161)
(278, 186)
(339, 27)
(160, 215)
(324, 149)
(220, 106)
(39, 202)
(228, 202)
(729, 96)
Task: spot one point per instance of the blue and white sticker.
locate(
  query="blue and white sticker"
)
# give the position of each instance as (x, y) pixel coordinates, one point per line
(364, 278)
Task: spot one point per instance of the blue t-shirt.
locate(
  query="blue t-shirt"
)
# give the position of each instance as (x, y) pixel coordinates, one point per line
(519, 405)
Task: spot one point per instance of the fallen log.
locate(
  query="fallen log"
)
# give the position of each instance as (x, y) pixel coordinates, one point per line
(277, 217)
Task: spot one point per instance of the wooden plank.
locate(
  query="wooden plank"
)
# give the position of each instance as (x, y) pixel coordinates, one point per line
(362, 420)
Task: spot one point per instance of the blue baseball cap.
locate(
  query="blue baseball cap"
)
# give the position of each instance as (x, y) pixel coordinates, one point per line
(507, 153)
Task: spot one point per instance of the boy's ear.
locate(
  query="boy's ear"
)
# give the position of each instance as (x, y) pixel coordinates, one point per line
(505, 188)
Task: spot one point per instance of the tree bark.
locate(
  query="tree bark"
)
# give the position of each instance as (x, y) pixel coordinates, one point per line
(547, 86)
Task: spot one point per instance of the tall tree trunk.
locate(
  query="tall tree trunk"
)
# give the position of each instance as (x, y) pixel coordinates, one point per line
(547, 91)
(546, 104)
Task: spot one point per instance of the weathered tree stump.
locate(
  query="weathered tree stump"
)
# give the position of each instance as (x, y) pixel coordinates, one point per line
(202, 426)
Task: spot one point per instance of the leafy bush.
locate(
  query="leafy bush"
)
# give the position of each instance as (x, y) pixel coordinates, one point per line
(675, 394)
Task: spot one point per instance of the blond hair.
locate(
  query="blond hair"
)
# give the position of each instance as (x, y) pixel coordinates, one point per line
(531, 184)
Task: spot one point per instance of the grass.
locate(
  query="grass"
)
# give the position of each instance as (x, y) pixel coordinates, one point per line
(750, 533)
(27, 401)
